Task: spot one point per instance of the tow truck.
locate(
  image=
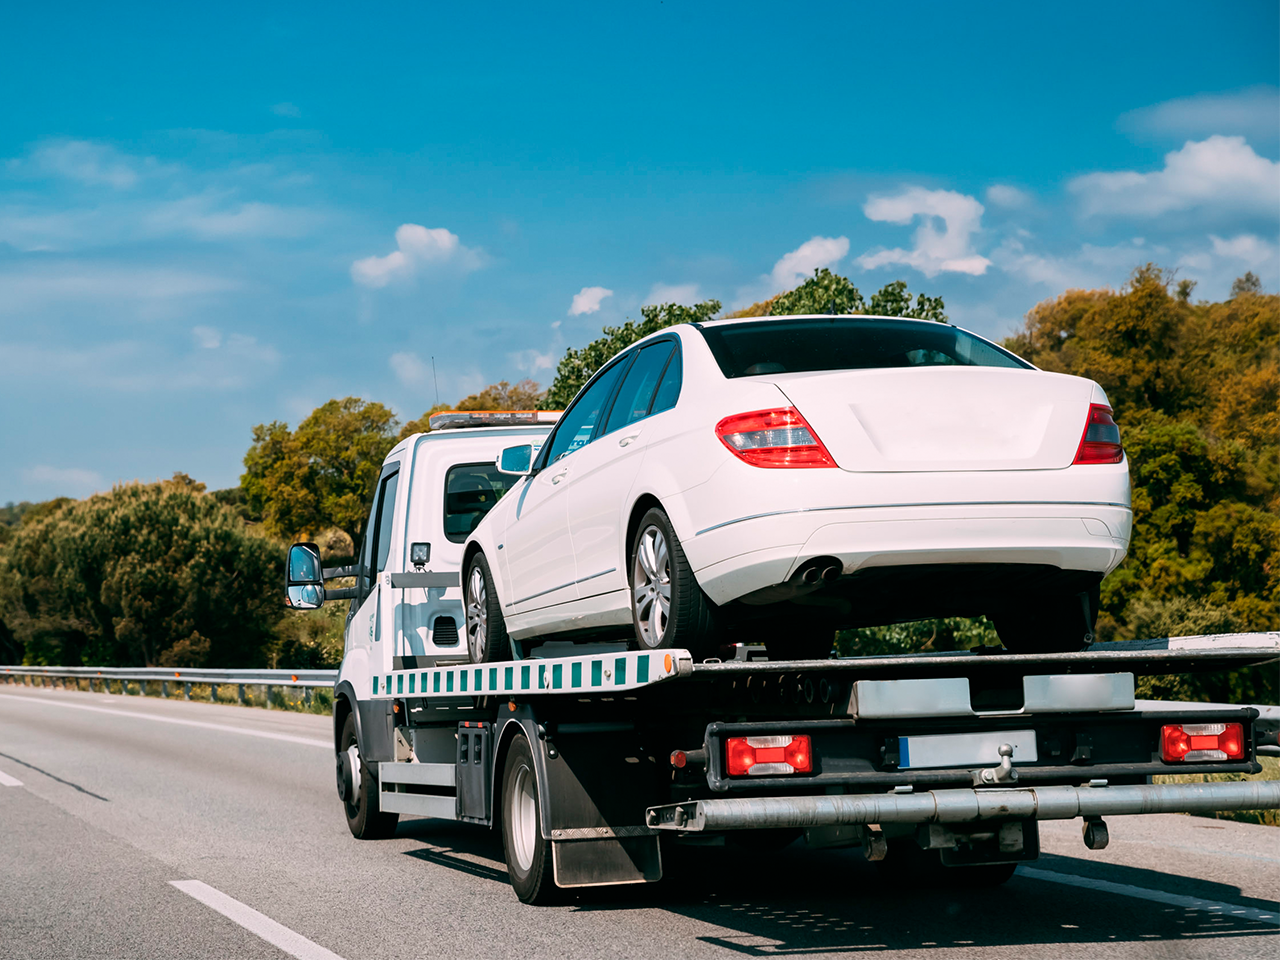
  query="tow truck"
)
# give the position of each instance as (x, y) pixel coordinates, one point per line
(593, 759)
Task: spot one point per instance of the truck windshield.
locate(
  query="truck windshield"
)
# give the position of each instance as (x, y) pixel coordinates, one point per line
(846, 343)
(470, 491)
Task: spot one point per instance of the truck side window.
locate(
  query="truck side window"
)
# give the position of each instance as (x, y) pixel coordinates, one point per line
(382, 522)
(669, 389)
(637, 390)
(470, 492)
(578, 424)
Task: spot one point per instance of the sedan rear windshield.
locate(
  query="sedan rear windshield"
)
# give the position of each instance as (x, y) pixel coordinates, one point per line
(847, 343)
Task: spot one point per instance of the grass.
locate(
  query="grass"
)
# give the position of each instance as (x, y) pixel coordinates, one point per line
(282, 698)
(1270, 771)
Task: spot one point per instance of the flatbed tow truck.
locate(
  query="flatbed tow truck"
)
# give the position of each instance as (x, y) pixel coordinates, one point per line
(593, 759)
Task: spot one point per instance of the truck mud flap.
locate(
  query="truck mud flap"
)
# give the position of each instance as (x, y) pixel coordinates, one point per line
(608, 861)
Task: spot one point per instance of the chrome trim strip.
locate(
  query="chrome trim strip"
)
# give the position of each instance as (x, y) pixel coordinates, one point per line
(571, 583)
(884, 506)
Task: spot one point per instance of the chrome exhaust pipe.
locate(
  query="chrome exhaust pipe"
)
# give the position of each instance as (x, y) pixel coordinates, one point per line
(832, 573)
(811, 575)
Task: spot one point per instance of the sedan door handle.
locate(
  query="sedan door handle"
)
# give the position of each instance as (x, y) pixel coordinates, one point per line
(626, 441)
(559, 476)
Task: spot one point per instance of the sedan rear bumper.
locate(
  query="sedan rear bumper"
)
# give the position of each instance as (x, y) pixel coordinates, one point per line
(729, 563)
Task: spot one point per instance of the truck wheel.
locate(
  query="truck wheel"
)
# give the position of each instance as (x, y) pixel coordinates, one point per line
(528, 853)
(360, 793)
(1049, 624)
(487, 640)
(668, 608)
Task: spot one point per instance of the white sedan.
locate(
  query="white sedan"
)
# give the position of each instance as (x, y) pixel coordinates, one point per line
(779, 478)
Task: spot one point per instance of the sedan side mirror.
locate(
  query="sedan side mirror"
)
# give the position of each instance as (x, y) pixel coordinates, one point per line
(516, 461)
(304, 577)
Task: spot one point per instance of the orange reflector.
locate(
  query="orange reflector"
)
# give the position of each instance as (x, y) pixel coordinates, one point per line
(511, 705)
(679, 758)
(666, 663)
(294, 679)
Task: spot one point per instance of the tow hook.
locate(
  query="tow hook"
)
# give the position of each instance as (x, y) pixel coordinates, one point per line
(1004, 773)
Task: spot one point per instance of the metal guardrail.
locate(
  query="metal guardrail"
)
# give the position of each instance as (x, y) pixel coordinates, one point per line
(185, 676)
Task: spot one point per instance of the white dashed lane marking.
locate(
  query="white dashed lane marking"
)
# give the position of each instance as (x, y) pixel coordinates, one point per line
(259, 924)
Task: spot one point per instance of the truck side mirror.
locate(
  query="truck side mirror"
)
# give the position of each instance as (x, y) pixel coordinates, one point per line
(304, 577)
(516, 461)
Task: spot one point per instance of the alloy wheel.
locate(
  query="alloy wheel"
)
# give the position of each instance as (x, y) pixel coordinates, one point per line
(651, 586)
(477, 615)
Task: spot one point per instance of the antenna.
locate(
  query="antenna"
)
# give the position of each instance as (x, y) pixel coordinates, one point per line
(436, 381)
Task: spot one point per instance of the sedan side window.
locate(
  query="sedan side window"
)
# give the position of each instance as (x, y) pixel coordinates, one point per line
(669, 389)
(636, 393)
(578, 423)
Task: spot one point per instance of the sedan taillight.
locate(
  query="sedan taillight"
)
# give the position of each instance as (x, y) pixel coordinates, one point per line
(1100, 442)
(773, 438)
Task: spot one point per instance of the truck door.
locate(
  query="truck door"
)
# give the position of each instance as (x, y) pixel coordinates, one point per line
(372, 623)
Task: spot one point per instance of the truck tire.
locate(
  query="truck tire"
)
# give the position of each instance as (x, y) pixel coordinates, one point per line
(1054, 623)
(360, 793)
(668, 608)
(527, 852)
(487, 640)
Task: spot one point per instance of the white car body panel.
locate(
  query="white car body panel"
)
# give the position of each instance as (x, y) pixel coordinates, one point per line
(936, 465)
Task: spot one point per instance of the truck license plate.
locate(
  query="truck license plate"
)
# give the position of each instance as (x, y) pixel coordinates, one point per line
(965, 749)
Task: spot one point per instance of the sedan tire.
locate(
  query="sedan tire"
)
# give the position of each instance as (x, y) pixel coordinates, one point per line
(668, 608)
(487, 640)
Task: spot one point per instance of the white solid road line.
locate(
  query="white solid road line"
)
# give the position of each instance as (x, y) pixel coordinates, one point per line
(276, 934)
(1157, 896)
(8, 781)
(62, 704)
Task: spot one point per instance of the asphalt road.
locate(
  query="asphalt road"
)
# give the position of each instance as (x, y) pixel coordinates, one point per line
(107, 802)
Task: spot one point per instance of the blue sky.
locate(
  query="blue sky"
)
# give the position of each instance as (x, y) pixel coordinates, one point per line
(216, 217)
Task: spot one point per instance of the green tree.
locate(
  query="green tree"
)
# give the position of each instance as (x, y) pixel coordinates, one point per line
(525, 395)
(829, 293)
(148, 574)
(579, 364)
(1249, 283)
(321, 475)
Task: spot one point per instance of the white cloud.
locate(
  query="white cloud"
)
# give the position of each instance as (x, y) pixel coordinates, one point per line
(685, 294)
(207, 338)
(533, 361)
(798, 265)
(1247, 248)
(1088, 267)
(87, 162)
(418, 247)
(947, 251)
(209, 216)
(285, 109)
(409, 369)
(1249, 113)
(64, 481)
(1011, 198)
(36, 285)
(1222, 173)
(587, 300)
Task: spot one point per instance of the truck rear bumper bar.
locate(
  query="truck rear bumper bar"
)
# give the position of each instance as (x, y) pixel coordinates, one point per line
(963, 806)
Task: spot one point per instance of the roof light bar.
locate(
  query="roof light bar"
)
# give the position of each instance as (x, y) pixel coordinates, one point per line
(463, 419)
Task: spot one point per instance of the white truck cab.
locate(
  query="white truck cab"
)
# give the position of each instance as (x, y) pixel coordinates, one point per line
(434, 488)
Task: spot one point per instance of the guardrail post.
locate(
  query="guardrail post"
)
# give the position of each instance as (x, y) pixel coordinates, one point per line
(91, 679)
(213, 693)
(164, 688)
(186, 691)
(240, 693)
(268, 688)
(306, 696)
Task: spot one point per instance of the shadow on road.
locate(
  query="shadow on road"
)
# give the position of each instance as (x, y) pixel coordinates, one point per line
(795, 900)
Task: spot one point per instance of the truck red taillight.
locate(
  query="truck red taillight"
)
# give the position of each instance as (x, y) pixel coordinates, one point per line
(1190, 742)
(768, 756)
(1100, 442)
(773, 438)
